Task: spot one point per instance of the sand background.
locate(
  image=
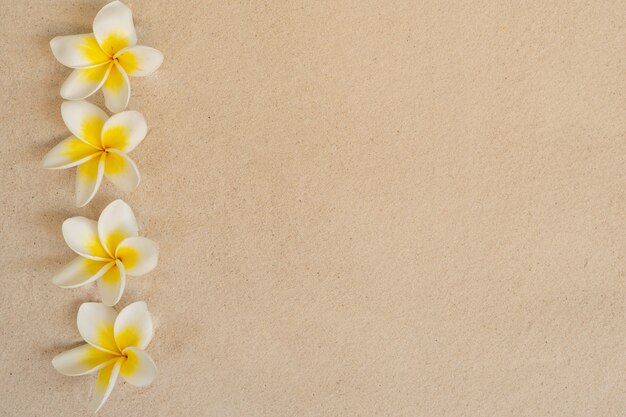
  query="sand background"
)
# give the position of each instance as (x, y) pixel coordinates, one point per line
(364, 208)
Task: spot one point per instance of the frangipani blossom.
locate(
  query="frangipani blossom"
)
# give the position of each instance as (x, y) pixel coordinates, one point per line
(98, 146)
(115, 346)
(108, 250)
(105, 58)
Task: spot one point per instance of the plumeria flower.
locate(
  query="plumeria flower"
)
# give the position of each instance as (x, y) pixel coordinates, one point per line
(115, 346)
(105, 58)
(98, 146)
(109, 250)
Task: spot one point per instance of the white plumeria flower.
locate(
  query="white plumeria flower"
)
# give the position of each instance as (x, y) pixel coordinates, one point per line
(115, 346)
(98, 146)
(105, 58)
(109, 250)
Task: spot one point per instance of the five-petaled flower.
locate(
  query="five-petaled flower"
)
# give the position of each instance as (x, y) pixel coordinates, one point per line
(105, 58)
(109, 250)
(115, 346)
(98, 146)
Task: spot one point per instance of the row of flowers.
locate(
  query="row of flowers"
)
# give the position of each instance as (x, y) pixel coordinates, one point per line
(109, 249)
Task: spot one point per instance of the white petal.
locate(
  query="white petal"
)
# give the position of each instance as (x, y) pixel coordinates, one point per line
(88, 178)
(133, 326)
(85, 121)
(82, 360)
(111, 285)
(114, 28)
(116, 223)
(138, 254)
(68, 153)
(139, 61)
(121, 170)
(124, 131)
(105, 383)
(81, 271)
(95, 324)
(139, 368)
(78, 51)
(81, 235)
(83, 82)
(116, 89)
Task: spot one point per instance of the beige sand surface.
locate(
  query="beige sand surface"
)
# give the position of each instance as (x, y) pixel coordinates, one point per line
(364, 208)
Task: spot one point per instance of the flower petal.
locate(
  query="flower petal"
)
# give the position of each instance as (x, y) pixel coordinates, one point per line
(95, 325)
(124, 131)
(83, 82)
(88, 178)
(81, 271)
(81, 360)
(116, 223)
(139, 368)
(105, 383)
(138, 254)
(111, 284)
(116, 89)
(114, 28)
(139, 61)
(78, 51)
(121, 170)
(133, 326)
(81, 235)
(68, 153)
(84, 120)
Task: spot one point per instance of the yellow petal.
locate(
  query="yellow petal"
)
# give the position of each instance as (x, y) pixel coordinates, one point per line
(82, 360)
(88, 178)
(85, 120)
(139, 61)
(121, 171)
(115, 137)
(78, 51)
(83, 82)
(138, 369)
(116, 89)
(95, 324)
(81, 235)
(111, 285)
(113, 27)
(81, 271)
(116, 223)
(105, 383)
(133, 326)
(124, 131)
(68, 153)
(138, 254)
